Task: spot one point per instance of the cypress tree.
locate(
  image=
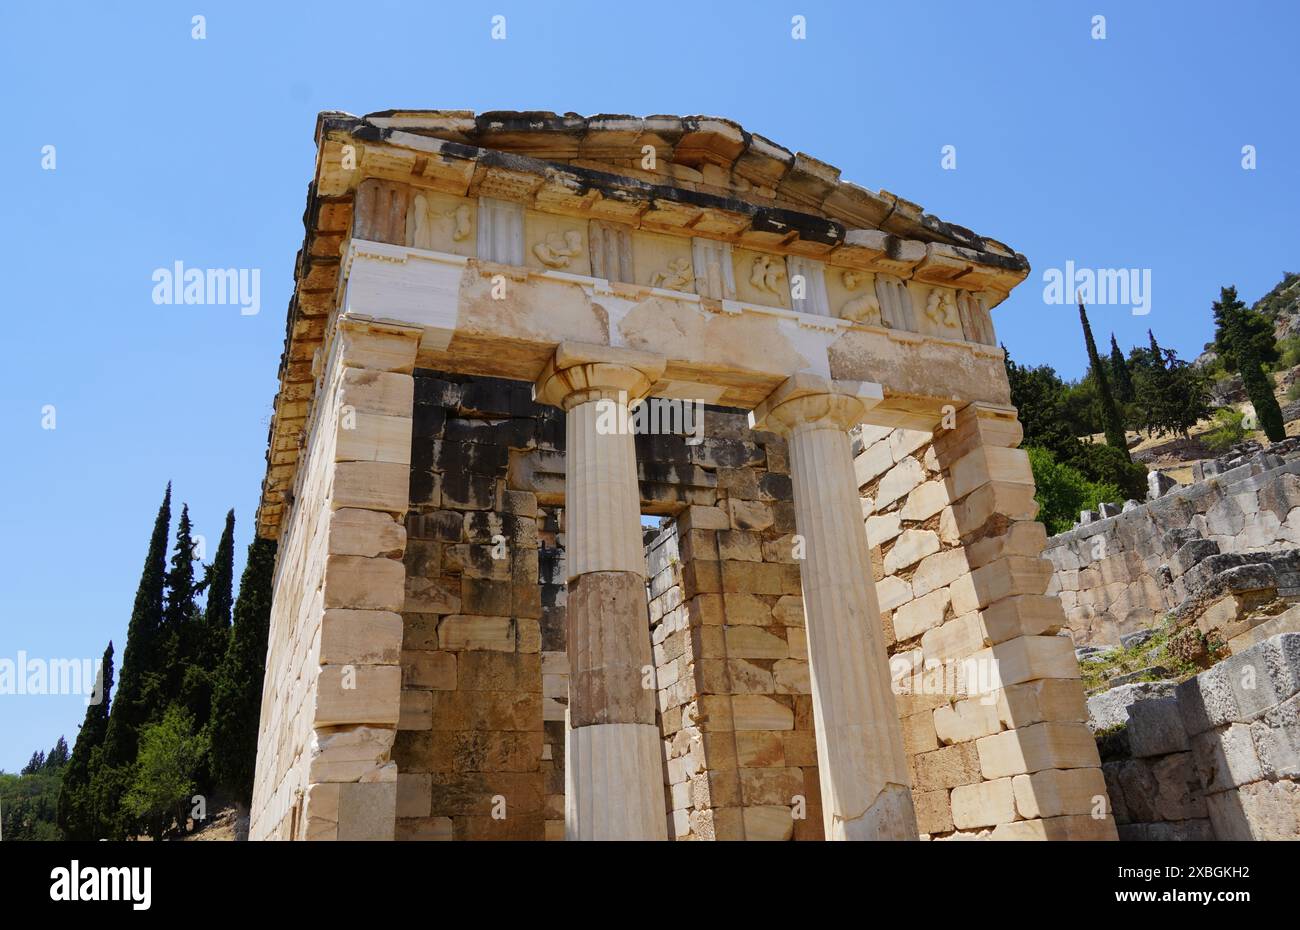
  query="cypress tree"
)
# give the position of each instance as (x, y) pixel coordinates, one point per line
(220, 587)
(1112, 424)
(76, 814)
(139, 693)
(1120, 376)
(237, 700)
(1244, 340)
(180, 615)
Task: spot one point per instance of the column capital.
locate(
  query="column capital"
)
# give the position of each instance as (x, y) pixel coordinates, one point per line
(817, 402)
(581, 372)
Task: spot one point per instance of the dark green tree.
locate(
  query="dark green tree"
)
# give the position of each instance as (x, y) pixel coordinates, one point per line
(77, 816)
(140, 694)
(181, 624)
(1111, 420)
(1120, 377)
(58, 756)
(237, 699)
(1244, 340)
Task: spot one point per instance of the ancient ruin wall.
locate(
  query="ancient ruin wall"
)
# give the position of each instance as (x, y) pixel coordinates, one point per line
(990, 699)
(1121, 574)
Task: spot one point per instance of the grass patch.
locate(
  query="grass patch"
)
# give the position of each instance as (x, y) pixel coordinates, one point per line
(1168, 649)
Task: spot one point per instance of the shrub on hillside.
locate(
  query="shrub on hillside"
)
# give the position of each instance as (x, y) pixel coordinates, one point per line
(1063, 491)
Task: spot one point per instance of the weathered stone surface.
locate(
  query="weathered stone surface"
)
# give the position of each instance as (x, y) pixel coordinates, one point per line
(608, 655)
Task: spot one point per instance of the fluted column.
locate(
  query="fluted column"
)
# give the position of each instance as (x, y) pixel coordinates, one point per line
(613, 771)
(861, 763)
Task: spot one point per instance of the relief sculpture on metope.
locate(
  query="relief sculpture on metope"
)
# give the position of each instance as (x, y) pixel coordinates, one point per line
(865, 308)
(678, 277)
(558, 251)
(941, 308)
(766, 274)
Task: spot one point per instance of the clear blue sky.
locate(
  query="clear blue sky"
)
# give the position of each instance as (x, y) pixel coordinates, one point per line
(1117, 153)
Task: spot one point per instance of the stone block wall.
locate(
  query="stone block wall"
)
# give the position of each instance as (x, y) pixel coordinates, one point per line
(732, 671)
(331, 692)
(1217, 757)
(1121, 574)
(479, 746)
(990, 699)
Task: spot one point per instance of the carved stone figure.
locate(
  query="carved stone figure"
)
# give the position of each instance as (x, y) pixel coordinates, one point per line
(941, 308)
(557, 251)
(766, 274)
(678, 277)
(864, 308)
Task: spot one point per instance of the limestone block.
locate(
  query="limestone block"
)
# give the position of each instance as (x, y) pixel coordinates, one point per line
(414, 794)
(1014, 501)
(361, 637)
(1110, 708)
(1277, 740)
(366, 533)
(933, 811)
(925, 501)
(768, 822)
(756, 712)
(903, 442)
(372, 486)
(938, 570)
(1264, 810)
(369, 437)
(924, 613)
(1058, 792)
(945, 768)
(364, 583)
(919, 733)
(966, 720)
(1021, 615)
(881, 529)
(1024, 538)
(910, 547)
(416, 711)
(740, 544)
(1026, 658)
(990, 463)
(381, 351)
(702, 518)
(348, 694)
(347, 755)
(749, 515)
(954, 639)
(321, 812)
(460, 632)
(367, 810)
(1005, 577)
(424, 670)
(366, 390)
(1068, 827)
(1163, 788)
(775, 785)
(871, 463)
(1155, 728)
(892, 592)
(898, 481)
(1025, 750)
(984, 804)
(751, 642)
(1225, 757)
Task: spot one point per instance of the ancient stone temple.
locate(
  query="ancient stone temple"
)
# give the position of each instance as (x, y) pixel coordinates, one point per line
(514, 337)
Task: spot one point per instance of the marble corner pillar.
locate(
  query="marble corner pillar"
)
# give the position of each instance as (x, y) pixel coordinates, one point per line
(862, 766)
(613, 758)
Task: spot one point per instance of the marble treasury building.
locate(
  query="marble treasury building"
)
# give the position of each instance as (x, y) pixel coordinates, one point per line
(835, 628)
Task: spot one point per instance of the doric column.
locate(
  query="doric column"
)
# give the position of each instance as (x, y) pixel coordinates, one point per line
(861, 763)
(613, 767)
